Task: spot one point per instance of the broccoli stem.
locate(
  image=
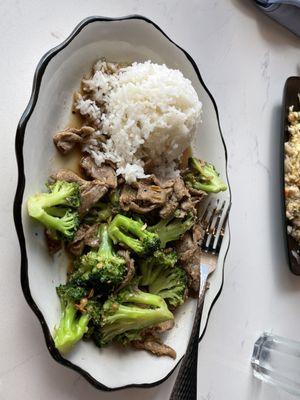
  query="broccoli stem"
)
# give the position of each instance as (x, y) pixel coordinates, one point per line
(170, 229)
(132, 310)
(133, 234)
(105, 250)
(71, 329)
(118, 235)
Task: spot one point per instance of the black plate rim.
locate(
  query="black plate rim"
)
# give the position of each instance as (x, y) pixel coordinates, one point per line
(17, 209)
(290, 243)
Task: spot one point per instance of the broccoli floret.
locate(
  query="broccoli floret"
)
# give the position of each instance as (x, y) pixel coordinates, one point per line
(93, 309)
(163, 277)
(72, 324)
(160, 259)
(131, 310)
(203, 176)
(54, 209)
(133, 234)
(102, 269)
(171, 229)
(114, 198)
(167, 258)
(102, 212)
(71, 292)
(169, 283)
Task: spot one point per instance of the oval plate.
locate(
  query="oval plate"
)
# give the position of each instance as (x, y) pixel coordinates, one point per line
(132, 38)
(290, 98)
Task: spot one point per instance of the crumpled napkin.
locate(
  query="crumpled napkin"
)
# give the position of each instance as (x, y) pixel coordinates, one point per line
(286, 12)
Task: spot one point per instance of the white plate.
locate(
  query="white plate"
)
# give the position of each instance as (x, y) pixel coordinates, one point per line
(58, 74)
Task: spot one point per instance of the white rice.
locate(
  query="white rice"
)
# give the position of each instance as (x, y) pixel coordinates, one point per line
(149, 111)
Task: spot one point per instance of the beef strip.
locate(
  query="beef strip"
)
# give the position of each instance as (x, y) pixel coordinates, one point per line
(180, 200)
(197, 232)
(142, 209)
(67, 139)
(163, 183)
(197, 193)
(128, 201)
(189, 255)
(128, 195)
(192, 269)
(180, 190)
(68, 176)
(169, 208)
(164, 326)
(130, 268)
(104, 173)
(53, 244)
(152, 194)
(90, 191)
(152, 343)
(188, 206)
(85, 236)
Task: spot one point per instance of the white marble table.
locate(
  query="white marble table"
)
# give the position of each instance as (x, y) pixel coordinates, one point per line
(244, 59)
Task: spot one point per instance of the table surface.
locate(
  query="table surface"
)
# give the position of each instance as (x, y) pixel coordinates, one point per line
(244, 59)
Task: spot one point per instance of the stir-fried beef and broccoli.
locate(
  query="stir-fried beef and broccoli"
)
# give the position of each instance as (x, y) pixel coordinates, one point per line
(133, 243)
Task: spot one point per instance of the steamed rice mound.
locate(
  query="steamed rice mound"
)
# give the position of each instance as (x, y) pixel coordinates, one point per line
(150, 112)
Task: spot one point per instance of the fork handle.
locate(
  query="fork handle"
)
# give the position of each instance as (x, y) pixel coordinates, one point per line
(185, 387)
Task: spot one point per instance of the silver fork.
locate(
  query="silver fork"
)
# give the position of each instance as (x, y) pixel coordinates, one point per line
(214, 222)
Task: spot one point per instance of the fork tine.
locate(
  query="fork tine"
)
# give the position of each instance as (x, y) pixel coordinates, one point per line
(215, 231)
(222, 231)
(204, 215)
(209, 225)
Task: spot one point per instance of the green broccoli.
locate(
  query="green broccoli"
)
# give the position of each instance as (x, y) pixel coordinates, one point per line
(102, 269)
(114, 198)
(171, 229)
(163, 277)
(101, 212)
(131, 310)
(203, 176)
(104, 211)
(54, 209)
(133, 234)
(72, 325)
(168, 283)
(160, 259)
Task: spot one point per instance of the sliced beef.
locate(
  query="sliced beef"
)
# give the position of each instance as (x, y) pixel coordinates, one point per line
(66, 140)
(90, 191)
(128, 201)
(163, 183)
(130, 268)
(105, 173)
(85, 236)
(68, 176)
(164, 326)
(53, 243)
(179, 201)
(141, 209)
(189, 255)
(192, 268)
(197, 193)
(169, 208)
(128, 195)
(153, 344)
(197, 233)
(185, 247)
(180, 190)
(152, 194)
(188, 206)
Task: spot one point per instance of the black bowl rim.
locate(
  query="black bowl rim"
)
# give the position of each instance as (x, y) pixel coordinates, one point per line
(17, 210)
